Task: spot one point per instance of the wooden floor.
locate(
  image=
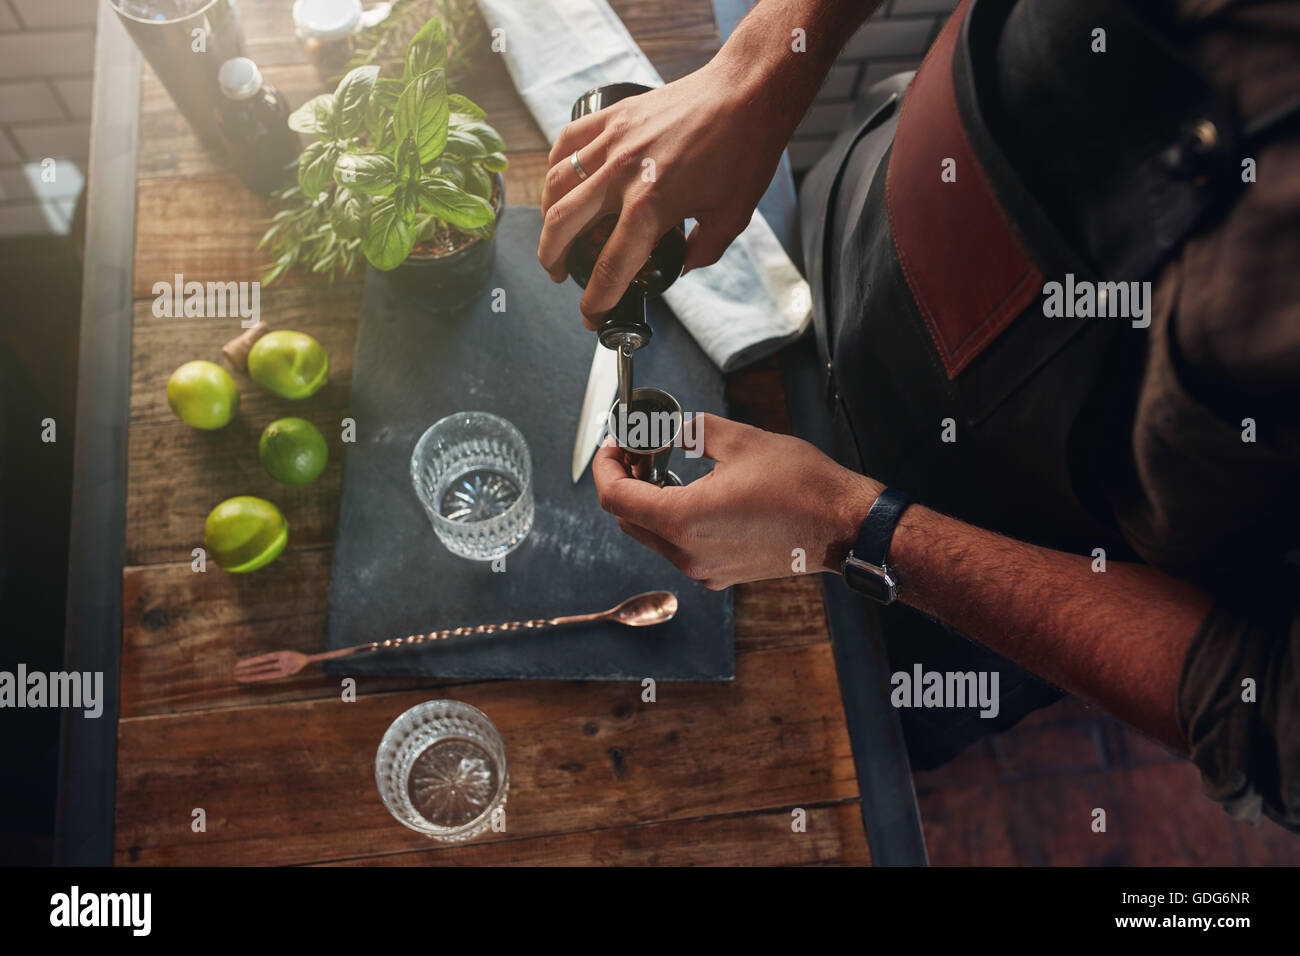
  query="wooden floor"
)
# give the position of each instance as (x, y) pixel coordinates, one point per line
(1027, 797)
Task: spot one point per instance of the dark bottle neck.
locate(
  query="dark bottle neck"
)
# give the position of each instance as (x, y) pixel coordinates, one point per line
(625, 322)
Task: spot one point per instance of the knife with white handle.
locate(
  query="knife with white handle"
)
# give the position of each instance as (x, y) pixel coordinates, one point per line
(602, 389)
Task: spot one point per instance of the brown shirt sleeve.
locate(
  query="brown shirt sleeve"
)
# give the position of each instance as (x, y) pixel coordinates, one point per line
(1216, 441)
(1237, 702)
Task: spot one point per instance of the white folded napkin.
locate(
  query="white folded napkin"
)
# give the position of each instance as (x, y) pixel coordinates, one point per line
(748, 304)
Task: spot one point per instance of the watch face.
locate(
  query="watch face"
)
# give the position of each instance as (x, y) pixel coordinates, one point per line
(876, 583)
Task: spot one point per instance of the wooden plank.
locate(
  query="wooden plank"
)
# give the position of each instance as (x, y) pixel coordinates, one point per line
(205, 228)
(268, 24)
(756, 394)
(524, 179)
(833, 837)
(779, 613)
(293, 783)
(183, 631)
(670, 21)
(177, 473)
(166, 509)
(161, 343)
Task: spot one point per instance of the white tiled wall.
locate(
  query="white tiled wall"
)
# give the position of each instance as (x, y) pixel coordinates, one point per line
(46, 61)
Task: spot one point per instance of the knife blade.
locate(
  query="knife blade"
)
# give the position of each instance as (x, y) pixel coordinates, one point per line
(602, 389)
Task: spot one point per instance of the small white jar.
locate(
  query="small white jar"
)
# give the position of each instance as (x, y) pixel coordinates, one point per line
(327, 30)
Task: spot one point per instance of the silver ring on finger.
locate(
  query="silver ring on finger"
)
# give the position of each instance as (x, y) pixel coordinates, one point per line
(577, 166)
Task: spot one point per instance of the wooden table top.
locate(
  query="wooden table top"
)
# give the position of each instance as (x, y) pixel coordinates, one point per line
(710, 773)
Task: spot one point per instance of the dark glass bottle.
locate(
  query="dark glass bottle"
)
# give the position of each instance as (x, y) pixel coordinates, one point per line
(661, 269)
(625, 324)
(253, 120)
(624, 327)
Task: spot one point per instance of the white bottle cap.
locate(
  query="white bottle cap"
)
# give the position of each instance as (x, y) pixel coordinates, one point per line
(326, 19)
(239, 78)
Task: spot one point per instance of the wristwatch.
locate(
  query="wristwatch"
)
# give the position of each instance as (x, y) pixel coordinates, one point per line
(866, 569)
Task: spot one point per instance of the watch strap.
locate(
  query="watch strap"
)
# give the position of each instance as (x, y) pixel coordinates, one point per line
(877, 529)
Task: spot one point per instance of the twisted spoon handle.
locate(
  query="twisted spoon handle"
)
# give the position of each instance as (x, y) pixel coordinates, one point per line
(536, 623)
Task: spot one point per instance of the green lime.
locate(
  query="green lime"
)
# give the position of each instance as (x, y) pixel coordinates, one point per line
(293, 451)
(245, 533)
(203, 395)
(290, 364)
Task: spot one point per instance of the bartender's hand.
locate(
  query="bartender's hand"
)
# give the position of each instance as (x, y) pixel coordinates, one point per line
(704, 147)
(767, 496)
(694, 148)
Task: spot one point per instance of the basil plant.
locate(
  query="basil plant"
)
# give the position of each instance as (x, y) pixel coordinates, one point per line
(396, 162)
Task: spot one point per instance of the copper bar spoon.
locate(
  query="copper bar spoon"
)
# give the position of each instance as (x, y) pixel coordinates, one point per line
(642, 610)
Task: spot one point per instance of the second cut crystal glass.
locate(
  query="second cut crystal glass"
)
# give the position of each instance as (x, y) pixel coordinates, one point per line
(441, 770)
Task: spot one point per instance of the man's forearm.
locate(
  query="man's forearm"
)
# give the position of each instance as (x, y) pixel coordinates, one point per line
(783, 69)
(1117, 638)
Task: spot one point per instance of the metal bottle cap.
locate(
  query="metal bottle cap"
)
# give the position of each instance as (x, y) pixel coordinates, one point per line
(239, 78)
(326, 19)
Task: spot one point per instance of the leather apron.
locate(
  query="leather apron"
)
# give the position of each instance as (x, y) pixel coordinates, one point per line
(927, 255)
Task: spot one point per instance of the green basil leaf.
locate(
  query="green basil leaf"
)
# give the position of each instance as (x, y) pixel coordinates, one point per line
(479, 182)
(408, 201)
(485, 134)
(463, 106)
(378, 115)
(315, 116)
(428, 51)
(464, 146)
(426, 227)
(386, 92)
(407, 159)
(371, 174)
(316, 167)
(352, 97)
(455, 174)
(389, 238)
(422, 112)
(494, 162)
(386, 136)
(374, 117)
(453, 205)
(348, 213)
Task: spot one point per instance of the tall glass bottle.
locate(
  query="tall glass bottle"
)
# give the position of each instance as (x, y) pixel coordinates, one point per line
(253, 120)
(186, 41)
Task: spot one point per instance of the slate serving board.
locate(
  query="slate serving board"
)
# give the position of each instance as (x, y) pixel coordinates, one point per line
(392, 577)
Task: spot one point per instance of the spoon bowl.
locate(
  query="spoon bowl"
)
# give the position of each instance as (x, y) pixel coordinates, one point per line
(643, 610)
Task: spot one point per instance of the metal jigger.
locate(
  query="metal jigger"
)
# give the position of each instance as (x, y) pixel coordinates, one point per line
(646, 428)
(624, 327)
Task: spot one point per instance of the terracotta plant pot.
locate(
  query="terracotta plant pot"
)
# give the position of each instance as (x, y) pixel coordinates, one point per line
(451, 281)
